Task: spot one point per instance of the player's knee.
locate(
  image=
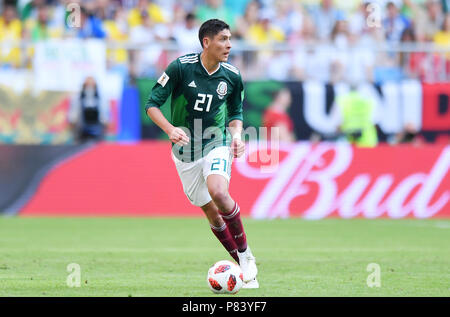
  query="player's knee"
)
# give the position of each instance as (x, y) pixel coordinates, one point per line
(219, 195)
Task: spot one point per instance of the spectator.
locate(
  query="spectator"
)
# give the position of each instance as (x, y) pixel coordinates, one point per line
(306, 35)
(411, 63)
(288, 16)
(89, 113)
(313, 60)
(358, 19)
(216, 9)
(356, 113)
(117, 27)
(247, 60)
(237, 7)
(353, 43)
(247, 20)
(147, 37)
(178, 16)
(186, 36)
(91, 26)
(428, 21)
(395, 23)
(151, 9)
(442, 37)
(364, 22)
(276, 116)
(350, 61)
(10, 35)
(41, 28)
(144, 32)
(424, 66)
(150, 30)
(106, 9)
(117, 31)
(265, 32)
(369, 35)
(325, 16)
(29, 10)
(340, 41)
(59, 12)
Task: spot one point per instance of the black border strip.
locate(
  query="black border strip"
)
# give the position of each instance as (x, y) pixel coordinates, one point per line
(15, 208)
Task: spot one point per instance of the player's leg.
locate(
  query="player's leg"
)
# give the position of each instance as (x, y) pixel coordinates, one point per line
(217, 170)
(218, 190)
(220, 229)
(194, 187)
(228, 208)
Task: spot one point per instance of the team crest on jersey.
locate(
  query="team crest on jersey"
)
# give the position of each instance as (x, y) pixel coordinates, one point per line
(222, 89)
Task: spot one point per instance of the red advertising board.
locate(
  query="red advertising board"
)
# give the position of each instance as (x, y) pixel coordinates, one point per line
(436, 107)
(306, 180)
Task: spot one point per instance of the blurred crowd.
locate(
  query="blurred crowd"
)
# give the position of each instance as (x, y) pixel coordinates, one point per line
(325, 40)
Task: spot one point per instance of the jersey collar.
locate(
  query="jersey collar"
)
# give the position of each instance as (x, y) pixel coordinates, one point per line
(209, 74)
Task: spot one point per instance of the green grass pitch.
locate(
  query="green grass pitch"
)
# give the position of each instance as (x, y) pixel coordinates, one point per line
(171, 256)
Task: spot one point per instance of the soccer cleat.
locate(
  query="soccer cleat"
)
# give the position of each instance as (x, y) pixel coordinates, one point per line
(247, 263)
(252, 284)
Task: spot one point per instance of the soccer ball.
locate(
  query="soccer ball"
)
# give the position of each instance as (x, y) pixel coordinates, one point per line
(225, 277)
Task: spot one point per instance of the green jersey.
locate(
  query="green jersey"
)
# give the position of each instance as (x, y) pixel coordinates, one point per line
(202, 104)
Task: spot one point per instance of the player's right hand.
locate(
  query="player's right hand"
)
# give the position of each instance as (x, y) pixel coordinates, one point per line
(178, 136)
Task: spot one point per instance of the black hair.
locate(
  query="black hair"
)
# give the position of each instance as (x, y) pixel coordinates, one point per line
(390, 4)
(408, 32)
(210, 28)
(190, 16)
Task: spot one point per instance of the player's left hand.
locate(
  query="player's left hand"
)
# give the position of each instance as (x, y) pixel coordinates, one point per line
(237, 147)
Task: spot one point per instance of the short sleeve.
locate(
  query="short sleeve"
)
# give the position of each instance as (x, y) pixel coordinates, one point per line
(164, 86)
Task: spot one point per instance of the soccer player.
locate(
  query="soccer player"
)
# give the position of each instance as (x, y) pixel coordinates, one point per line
(207, 94)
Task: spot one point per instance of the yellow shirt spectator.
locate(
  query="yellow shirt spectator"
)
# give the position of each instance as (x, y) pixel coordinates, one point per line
(262, 33)
(442, 38)
(115, 55)
(10, 36)
(154, 12)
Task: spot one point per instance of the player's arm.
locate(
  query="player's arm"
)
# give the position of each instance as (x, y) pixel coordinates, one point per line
(176, 135)
(234, 107)
(160, 92)
(237, 145)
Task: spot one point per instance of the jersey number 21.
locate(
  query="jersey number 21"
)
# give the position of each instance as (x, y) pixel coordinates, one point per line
(201, 100)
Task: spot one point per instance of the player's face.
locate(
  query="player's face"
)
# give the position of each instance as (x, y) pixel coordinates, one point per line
(220, 45)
